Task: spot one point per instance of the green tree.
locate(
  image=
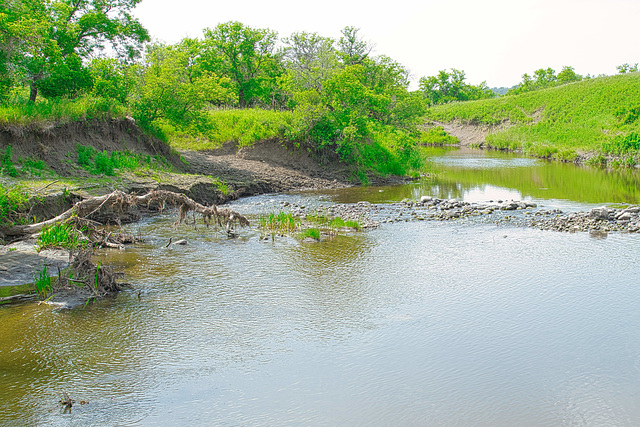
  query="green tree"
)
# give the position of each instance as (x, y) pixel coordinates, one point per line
(247, 56)
(310, 60)
(351, 48)
(568, 75)
(112, 79)
(627, 68)
(170, 87)
(450, 86)
(64, 33)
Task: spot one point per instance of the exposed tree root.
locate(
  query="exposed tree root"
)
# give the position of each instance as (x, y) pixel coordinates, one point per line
(121, 202)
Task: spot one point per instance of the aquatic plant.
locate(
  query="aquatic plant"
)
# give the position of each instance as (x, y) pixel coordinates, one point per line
(314, 233)
(42, 281)
(280, 222)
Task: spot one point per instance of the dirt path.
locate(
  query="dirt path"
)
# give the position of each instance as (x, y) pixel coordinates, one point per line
(265, 167)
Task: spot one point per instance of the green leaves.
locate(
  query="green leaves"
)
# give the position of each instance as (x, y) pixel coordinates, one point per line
(450, 86)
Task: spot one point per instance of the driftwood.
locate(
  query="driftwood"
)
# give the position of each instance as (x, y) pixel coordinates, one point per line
(122, 202)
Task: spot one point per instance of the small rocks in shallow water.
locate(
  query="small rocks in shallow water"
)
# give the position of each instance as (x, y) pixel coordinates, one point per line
(600, 213)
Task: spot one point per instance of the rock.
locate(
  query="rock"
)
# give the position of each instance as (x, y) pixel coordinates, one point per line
(425, 199)
(625, 216)
(600, 213)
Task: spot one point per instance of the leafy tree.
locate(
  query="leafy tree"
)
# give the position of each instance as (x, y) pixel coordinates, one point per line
(112, 79)
(64, 33)
(310, 60)
(544, 78)
(170, 88)
(627, 68)
(568, 75)
(450, 86)
(351, 48)
(247, 56)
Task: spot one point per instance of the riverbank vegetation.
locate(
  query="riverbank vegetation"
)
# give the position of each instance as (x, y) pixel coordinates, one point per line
(597, 116)
(235, 83)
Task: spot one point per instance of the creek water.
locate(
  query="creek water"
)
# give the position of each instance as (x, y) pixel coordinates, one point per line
(417, 323)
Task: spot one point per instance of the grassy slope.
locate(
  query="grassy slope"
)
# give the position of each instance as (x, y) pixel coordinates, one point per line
(560, 122)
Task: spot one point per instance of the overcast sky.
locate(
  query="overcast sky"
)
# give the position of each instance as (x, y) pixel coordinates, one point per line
(492, 40)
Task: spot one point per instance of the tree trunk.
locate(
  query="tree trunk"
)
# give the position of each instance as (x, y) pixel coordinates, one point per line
(34, 92)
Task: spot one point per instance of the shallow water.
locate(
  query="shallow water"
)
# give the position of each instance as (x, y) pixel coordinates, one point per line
(422, 323)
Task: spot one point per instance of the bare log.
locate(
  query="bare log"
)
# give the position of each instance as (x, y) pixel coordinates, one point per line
(118, 200)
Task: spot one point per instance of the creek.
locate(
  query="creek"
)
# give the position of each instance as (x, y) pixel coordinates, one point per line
(413, 323)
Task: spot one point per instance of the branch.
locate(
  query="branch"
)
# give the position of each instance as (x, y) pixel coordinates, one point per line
(118, 199)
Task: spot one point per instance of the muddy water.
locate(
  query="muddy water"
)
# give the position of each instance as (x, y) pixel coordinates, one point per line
(422, 323)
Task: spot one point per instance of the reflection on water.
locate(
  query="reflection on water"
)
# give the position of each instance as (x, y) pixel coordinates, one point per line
(480, 175)
(419, 323)
(411, 324)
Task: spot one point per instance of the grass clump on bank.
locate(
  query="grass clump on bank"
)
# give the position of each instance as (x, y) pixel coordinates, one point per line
(102, 162)
(595, 115)
(59, 235)
(13, 200)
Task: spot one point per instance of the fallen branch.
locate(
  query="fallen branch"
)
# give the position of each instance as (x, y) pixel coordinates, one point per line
(122, 202)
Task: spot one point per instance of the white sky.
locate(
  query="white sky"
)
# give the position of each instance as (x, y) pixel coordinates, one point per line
(492, 40)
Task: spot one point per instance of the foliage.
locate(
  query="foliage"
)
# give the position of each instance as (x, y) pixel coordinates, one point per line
(51, 39)
(550, 123)
(20, 112)
(244, 127)
(280, 222)
(102, 162)
(313, 233)
(42, 281)
(6, 163)
(173, 88)
(436, 135)
(450, 86)
(12, 200)
(627, 68)
(622, 144)
(220, 185)
(58, 235)
(247, 56)
(545, 78)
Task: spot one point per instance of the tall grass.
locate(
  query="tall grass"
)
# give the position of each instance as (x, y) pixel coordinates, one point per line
(280, 222)
(58, 235)
(593, 115)
(13, 199)
(20, 112)
(244, 127)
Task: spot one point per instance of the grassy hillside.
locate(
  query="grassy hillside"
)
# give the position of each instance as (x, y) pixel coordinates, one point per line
(598, 117)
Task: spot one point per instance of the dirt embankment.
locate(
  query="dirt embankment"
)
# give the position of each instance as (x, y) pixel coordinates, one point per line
(268, 166)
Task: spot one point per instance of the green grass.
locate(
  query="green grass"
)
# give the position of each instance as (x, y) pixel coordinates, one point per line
(19, 112)
(437, 136)
(42, 281)
(13, 199)
(220, 185)
(58, 235)
(105, 163)
(314, 233)
(244, 127)
(595, 115)
(280, 222)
